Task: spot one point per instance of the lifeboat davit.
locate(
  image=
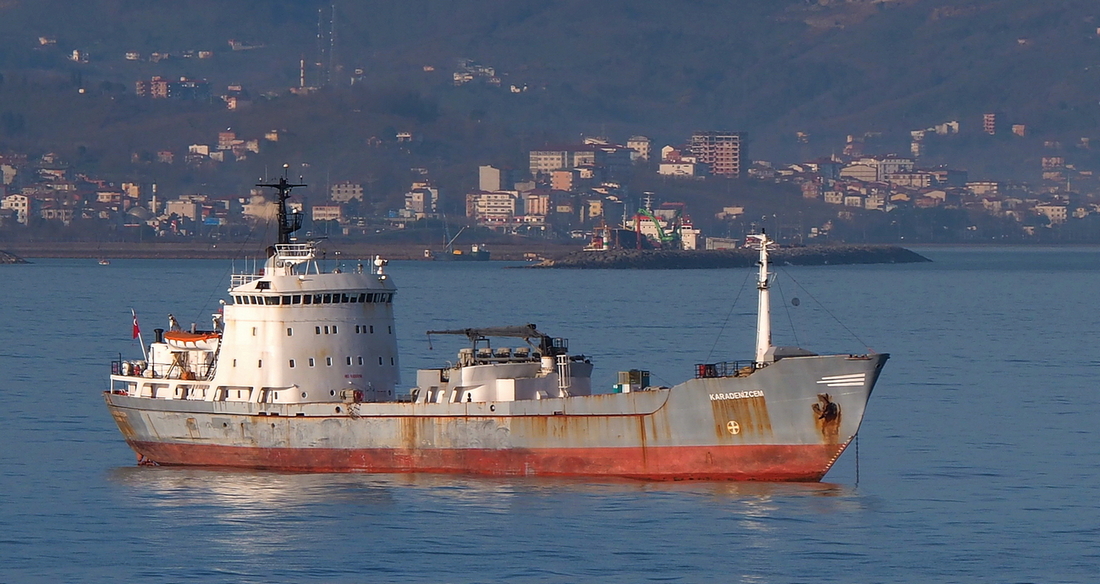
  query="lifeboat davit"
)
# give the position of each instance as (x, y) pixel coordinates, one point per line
(197, 341)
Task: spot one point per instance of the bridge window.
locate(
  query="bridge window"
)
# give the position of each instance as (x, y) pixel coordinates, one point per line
(307, 299)
(296, 299)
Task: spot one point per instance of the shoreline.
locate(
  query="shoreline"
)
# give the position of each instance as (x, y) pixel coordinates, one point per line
(16, 251)
(733, 258)
(233, 250)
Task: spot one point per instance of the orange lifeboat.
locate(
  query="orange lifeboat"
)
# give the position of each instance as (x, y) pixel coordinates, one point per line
(198, 341)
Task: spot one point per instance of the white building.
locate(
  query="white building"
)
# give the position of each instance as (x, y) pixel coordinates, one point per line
(641, 147)
(492, 207)
(1056, 213)
(422, 200)
(328, 213)
(345, 191)
(21, 204)
(679, 169)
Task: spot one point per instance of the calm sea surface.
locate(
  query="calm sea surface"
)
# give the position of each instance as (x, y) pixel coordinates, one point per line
(978, 461)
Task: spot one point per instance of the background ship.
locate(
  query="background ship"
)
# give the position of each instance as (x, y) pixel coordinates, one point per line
(476, 253)
(301, 374)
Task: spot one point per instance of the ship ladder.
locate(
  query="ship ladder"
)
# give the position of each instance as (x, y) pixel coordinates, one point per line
(564, 375)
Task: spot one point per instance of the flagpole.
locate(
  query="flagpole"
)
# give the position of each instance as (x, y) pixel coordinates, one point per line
(137, 335)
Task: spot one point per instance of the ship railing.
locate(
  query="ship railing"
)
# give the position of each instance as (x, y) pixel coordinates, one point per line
(724, 369)
(295, 251)
(242, 279)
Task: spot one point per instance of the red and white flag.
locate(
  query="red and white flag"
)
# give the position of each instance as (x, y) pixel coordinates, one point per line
(137, 329)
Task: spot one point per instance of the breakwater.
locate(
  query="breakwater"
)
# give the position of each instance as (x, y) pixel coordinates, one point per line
(816, 255)
(8, 258)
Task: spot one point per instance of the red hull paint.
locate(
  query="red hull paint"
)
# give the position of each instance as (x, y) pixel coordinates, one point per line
(756, 462)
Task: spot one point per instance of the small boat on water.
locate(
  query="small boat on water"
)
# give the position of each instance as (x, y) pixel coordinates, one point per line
(301, 374)
(104, 262)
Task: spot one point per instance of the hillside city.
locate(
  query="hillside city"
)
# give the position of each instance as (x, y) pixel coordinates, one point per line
(568, 191)
(704, 190)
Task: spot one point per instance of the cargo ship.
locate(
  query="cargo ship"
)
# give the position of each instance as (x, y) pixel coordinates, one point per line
(300, 373)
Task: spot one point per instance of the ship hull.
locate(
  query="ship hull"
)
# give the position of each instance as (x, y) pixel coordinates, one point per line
(788, 421)
(738, 463)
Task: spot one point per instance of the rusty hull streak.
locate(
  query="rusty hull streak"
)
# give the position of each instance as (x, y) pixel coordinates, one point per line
(124, 425)
(750, 413)
(827, 418)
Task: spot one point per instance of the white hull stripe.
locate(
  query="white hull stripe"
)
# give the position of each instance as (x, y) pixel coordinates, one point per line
(852, 380)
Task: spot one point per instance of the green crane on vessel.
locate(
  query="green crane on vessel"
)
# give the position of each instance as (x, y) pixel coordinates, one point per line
(670, 240)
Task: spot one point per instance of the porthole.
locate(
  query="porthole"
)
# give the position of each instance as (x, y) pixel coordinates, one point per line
(303, 395)
(328, 361)
(379, 360)
(360, 360)
(311, 363)
(338, 410)
(349, 360)
(332, 392)
(290, 332)
(292, 363)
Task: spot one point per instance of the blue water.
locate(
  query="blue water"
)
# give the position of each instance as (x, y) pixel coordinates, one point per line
(977, 459)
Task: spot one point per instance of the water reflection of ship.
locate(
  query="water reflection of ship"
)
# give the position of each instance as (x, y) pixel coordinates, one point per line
(264, 491)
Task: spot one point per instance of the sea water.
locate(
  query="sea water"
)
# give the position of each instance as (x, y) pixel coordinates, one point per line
(977, 460)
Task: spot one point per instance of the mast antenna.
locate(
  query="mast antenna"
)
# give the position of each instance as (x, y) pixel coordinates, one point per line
(286, 224)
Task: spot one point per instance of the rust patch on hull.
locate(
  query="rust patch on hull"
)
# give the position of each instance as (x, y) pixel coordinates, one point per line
(827, 418)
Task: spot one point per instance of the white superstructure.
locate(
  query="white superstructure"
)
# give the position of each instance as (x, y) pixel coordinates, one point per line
(289, 334)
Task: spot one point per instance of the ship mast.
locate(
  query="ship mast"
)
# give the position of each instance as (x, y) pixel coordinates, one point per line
(763, 308)
(284, 188)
